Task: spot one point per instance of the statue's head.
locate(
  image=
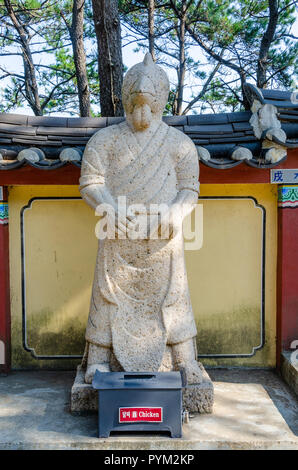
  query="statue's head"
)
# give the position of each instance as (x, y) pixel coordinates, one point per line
(145, 93)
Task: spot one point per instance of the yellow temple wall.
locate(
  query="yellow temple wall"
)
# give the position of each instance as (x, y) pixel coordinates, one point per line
(229, 289)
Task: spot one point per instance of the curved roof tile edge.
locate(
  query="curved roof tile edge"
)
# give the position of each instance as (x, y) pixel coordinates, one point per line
(223, 140)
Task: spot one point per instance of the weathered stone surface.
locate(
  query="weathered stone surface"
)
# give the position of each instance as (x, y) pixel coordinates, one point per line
(267, 126)
(289, 370)
(83, 397)
(277, 133)
(140, 311)
(31, 154)
(241, 153)
(203, 154)
(253, 409)
(275, 152)
(70, 154)
(197, 398)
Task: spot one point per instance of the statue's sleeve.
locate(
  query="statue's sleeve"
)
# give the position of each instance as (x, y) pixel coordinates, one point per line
(187, 167)
(93, 168)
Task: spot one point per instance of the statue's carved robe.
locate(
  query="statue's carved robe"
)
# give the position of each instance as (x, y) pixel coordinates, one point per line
(140, 299)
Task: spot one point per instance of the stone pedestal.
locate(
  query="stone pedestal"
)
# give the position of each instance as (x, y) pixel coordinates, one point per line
(197, 398)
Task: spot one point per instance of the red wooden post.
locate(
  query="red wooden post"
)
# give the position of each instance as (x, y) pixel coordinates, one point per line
(287, 268)
(5, 343)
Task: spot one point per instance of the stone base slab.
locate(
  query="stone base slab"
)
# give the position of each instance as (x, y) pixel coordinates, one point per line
(289, 371)
(253, 410)
(197, 398)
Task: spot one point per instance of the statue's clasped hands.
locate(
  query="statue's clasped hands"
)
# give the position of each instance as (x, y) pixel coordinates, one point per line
(138, 222)
(154, 223)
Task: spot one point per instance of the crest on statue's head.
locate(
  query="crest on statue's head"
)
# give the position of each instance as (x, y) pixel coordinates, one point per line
(147, 79)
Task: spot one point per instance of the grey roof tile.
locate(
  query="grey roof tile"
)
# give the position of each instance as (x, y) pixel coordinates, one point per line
(278, 95)
(114, 120)
(17, 119)
(288, 117)
(71, 141)
(30, 137)
(200, 141)
(175, 120)
(15, 129)
(49, 121)
(233, 139)
(209, 129)
(60, 131)
(35, 142)
(97, 122)
(24, 140)
(199, 119)
(90, 131)
(279, 98)
(218, 133)
(242, 116)
(242, 126)
(291, 129)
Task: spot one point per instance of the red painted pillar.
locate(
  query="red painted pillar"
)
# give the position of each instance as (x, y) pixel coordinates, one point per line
(5, 342)
(287, 268)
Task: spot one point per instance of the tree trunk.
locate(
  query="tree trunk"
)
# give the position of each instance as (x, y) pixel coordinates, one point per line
(151, 8)
(77, 39)
(110, 66)
(266, 43)
(31, 88)
(181, 69)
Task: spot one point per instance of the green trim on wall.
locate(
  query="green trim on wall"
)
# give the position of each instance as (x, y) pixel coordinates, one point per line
(4, 213)
(288, 196)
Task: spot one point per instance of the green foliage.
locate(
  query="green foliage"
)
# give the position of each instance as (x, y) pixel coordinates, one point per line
(232, 30)
(51, 49)
(215, 30)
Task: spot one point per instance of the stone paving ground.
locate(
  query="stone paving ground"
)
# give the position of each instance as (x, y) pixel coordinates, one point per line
(254, 409)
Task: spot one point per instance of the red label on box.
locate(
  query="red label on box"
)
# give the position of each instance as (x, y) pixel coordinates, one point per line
(134, 415)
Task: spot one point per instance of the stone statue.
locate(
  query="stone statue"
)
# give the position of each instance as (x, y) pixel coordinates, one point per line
(140, 316)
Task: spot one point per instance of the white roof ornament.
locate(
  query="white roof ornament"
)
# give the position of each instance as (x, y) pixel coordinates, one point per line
(148, 61)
